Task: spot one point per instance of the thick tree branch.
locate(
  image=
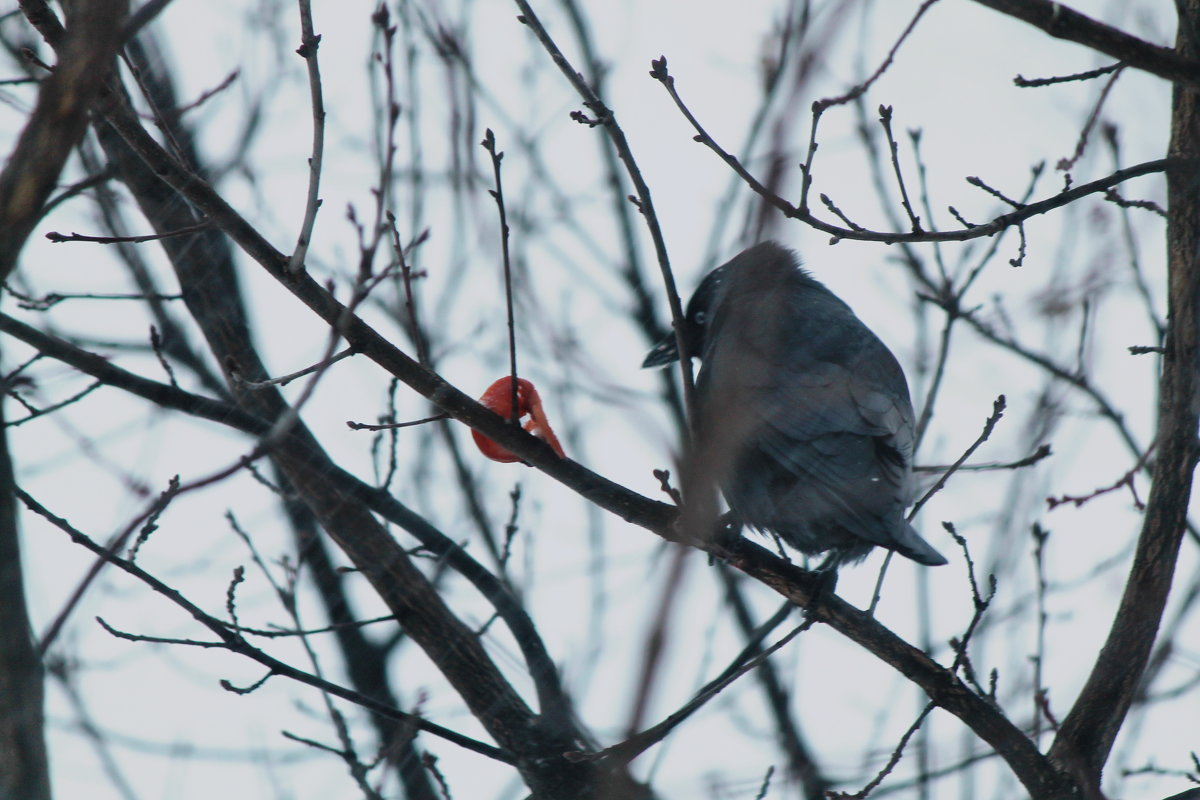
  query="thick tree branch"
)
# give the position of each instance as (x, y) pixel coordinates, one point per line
(1036, 772)
(608, 495)
(57, 122)
(1039, 776)
(206, 277)
(1089, 729)
(1065, 23)
(24, 770)
(941, 684)
(226, 413)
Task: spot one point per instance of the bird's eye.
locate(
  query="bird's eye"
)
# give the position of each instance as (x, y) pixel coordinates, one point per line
(701, 317)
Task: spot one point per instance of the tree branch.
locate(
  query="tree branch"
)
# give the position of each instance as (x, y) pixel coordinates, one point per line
(1018, 215)
(1065, 23)
(1089, 729)
(232, 640)
(24, 769)
(801, 587)
(1039, 775)
(57, 122)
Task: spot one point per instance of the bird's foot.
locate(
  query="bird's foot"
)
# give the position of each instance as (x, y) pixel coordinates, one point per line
(826, 583)
(728, 529)
(826, 578)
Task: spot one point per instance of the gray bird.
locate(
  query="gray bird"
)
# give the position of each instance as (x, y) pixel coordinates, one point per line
(803, 414)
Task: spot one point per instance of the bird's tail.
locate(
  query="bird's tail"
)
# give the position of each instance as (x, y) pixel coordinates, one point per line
(907, 542)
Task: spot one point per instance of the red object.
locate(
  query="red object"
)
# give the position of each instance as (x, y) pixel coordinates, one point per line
(498, 398)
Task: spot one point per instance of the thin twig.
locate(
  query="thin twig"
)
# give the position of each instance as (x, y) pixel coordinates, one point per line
(975, 180)
(935, 383)
(897, 753)
(1113, 196)
(74, 190)
(885, 119)
(998, 407)
(1124, 480)
(860, 89)
(34, 413)
(644, 200)
(1040, 536)
(114, 545)
(207, 94)
(233, 642)
(284, 380)
(820, 106)
(387, 426)
(1042, 451)
(156, 344)
(1021, 212)
(54, 298)
(1029, 83)
(637, 744)
(407, 276)
(961, 644)
(1065, 164)
(309, 43)
(59, 238)
(489, 144)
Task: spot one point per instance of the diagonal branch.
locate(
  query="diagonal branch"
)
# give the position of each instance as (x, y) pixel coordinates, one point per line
(206, 275)
(1066, 23)
(795, 584)
(1041, 778)
(941, 684)
(231, 639)
(608, 495)
(507, 607)
(57, 122)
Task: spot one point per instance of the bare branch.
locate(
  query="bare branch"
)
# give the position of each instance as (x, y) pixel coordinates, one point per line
(1062, 22)
(1021, 212)
(57, 122)
(309, 42)
(234, 642)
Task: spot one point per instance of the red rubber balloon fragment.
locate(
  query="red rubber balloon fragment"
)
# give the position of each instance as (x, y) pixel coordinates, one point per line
(498, 398)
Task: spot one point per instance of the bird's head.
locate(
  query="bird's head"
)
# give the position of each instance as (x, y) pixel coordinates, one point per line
(695, 322)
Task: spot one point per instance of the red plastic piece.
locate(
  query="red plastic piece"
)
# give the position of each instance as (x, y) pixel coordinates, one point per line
(498, 398)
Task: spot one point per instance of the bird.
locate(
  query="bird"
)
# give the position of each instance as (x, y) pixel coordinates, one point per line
(802, 414)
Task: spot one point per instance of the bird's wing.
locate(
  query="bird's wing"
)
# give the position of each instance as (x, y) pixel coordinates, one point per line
(844, 442)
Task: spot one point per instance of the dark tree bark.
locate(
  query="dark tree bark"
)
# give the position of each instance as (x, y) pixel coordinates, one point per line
(57, 123)
(1087, 734)
(24, 769)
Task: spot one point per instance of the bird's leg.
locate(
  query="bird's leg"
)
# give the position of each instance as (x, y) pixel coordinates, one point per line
(728, 529)
(826, 577)
(726, 532)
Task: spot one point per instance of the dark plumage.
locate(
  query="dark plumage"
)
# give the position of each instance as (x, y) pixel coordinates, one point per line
(805, 412)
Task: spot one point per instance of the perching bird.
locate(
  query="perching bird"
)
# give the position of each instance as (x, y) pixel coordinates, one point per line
(803, 414)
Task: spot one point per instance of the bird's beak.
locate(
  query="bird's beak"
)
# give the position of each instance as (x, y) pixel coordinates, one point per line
(663, 353)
